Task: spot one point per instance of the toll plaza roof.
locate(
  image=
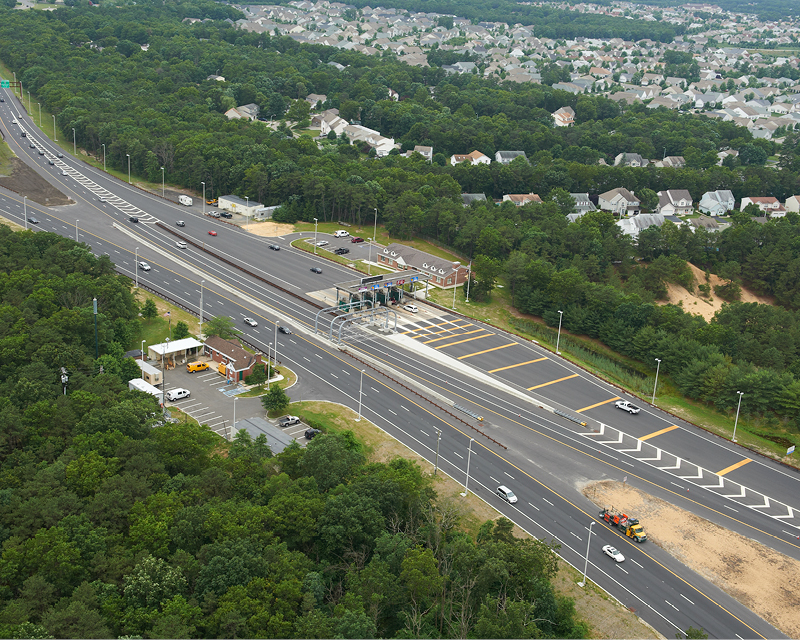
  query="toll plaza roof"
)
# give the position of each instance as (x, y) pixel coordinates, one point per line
(385, 281)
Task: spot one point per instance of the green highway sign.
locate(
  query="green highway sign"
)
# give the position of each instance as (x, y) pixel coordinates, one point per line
(4, 84)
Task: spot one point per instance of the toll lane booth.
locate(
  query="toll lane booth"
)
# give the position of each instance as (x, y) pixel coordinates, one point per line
(381, 290)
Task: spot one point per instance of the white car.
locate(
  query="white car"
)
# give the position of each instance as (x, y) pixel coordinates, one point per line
(341, 233)
(322, 243)
(611, 552)
(177, 394)
(181, 244)
(144, 266)
(64, 172)
(506, 494)
(250, 322)
(411, 307)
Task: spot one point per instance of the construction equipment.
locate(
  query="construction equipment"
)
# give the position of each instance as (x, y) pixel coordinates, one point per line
(630, 526)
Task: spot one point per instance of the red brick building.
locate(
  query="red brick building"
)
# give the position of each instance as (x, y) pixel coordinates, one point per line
(239, 363)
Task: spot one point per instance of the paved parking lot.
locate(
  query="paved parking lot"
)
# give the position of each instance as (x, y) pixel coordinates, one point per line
(212, 400)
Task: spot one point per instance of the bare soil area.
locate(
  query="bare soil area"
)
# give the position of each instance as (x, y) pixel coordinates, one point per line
(26, 182)
(765, 581)
(269, 229)
(700, 305)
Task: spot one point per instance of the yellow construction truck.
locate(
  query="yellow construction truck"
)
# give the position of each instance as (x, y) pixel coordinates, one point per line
(630, 526)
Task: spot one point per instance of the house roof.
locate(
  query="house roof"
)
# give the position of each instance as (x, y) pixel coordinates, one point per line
(174, 346)
(241, 359)
(411, 257)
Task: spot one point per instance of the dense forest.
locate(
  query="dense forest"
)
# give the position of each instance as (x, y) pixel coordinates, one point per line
(116, 523)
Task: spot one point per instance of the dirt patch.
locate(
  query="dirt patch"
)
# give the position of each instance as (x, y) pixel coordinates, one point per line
(764, 580)
(26, 182)
(700, 305)
(269, 229)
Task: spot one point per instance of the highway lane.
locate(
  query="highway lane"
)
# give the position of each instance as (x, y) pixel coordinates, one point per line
(399, 408)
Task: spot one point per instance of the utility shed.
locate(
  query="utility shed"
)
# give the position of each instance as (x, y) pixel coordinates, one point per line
(137, 384)
(150, 374)
(277, 439)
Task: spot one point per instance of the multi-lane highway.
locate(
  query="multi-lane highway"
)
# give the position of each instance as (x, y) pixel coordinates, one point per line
(514, 384)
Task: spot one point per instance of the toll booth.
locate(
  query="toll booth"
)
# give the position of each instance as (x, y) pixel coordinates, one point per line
(381, 290)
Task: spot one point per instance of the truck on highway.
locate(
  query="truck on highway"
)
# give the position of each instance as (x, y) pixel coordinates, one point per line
(630, 526)
(185, 200)
(627, 406)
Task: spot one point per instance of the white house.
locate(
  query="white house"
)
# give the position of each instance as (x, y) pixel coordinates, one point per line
(716, 203)
(793, 204)
(674, 202)
(768, 204)
(476, 157)
(520, 199)
(564, 117)
(506, 157)
(619, 201)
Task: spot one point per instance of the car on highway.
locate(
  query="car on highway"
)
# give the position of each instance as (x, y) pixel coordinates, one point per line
(180, 223)
(627, 406)
(285, 330)
(133, 219)
(64, 172)
(33, 146)
(274, 247)
(144, 266)
(356, 239)
(288, 421)
(316, 270)
(212, 233)
(411, 307)
(611, 552)
(506, 494)
(60, 155)
(2, 99)
(341, 251)
(32, 220)
(14, 121)
(41, 152)
(310, 433)
(50, 162)
(322, 243)
(250, 322)
(101, 199)
(177, 394)
(181, 244)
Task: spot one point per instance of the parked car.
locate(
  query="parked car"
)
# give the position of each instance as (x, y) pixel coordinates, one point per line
(310, 433)
(356, 239)
(288, 421)
(285, 330)
(177, 394)
(275, 247)
(316, 270)
(322, 243)
(144, 266)
(180, 223)
(506, 494)
(226, 214)
(212, 233)
(611, 552)
(341, 233)
(191, 367)
(250, 322)
(341, 251)
(181, 244)
(411, 307)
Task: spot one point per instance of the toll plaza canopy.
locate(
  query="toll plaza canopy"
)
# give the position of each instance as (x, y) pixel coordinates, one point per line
(389, 287)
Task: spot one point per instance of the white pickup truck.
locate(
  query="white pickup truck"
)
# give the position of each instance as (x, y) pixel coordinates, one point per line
(627, 406)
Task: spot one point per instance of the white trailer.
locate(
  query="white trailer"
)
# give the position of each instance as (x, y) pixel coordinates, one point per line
(185, 200)
(140, 385)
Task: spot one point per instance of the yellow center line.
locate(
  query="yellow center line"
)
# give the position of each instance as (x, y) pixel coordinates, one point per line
(592, 406)
(466, 333)
(658, 433)
(539, 386)
(450, 344)
(477, 353)
(511, 366)
(733, 467)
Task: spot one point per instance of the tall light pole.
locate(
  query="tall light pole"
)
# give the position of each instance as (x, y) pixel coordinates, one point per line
(40, 114)
(558, 340)
(74, 143)
(469, 456)
(275, 352)
(360, 390)
(455, 286)
(375, 226)
(201, 303)
(247, 203)
(737, 414)
(234, 412)
(438, 440)
(469, 278)
(204, 197)
(29, 101)
(315, 236)
(136, 267)
(582, 583)
(94, 306)
(369, 260)
(143, 341)
(104, 156)
(658, 366)
(25, 210)
(163, 357)
(162, 182)
(55, 133)
(76, 230)
(129, 166)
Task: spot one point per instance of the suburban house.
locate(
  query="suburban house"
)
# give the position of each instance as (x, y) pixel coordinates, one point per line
(444, 273)
(246, 111)
(520, 199)
(476, 157)
(674, 202)
(635, 224)
(582, 203)
(630, 160)
(619, 201)
(505, 157)
(238, 363)
(564, 117)
(716, 203)
(314, 98)
(792, 204)
(675, 162)
(768, 204)
(425, 152)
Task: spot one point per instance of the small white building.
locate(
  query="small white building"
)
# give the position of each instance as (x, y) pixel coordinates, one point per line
(235, 204)
(150, 374)
(174, 352)
(137, 384)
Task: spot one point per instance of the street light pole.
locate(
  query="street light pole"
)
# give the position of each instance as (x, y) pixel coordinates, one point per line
(369, 260)
(469, 456)
(136, 267)
(234, 412)
(104, 156)
(76, 230)
(558, 340)
(375, 226)
(204, 197)
(55, 133)
(737, 414)
(201, 303)
(455, 286)
(40, 114)
(315, 236)
(162, 182)
(658, 366)
(438, 440)
(360, 390)
(74, 143)
(129, 167)
(25, 210)
(94, 305)
(469, 277)
(586, 563)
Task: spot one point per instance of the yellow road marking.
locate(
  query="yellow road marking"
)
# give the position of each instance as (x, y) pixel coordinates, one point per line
(466, 333)
(733, 467)
(592, 406)
(477, 353)
(658, 433)
(450, 344)
(511, 366)
(539, 386)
